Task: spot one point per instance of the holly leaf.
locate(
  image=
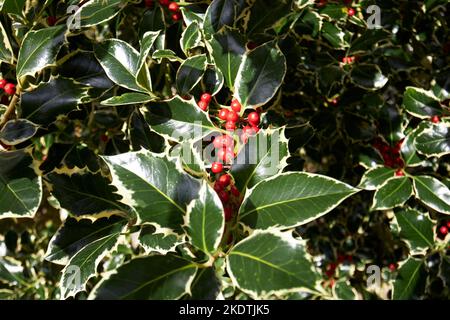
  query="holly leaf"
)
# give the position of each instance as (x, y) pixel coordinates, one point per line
(416, 229)
(205, 221)
(150, 278)
(269, 263)
(6, 51)
(221, 13)
(260, 75)
(408, 279)
(17, 131)
(432, 193)
(94, 12)
(39, 50)
(434, 141)
(421, 103)
(51, 99)
(206, 285)
(160, 241)
(368, 76)
(316, 195)
(393, 193)
(190, 73)
(20, 187)
(375, 177)
(191, 37)
(127, 99)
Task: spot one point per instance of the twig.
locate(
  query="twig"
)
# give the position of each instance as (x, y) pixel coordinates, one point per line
(10, 110)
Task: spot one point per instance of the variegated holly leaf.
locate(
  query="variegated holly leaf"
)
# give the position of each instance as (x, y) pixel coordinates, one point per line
(393, 193)
(221, 13)
(434, 141)
(432, 193)
(375, 177)
(263, 156)
(17, 131)
(190, 73)
(206, 285)
(292, 199)
(416, 228)
(409, 279)
(94, 12)
(191, 37)
(421, 103)
(151, 278)
(6, 51)
(127, 99)
(159, 240)
(20, 187)
(270, 262)
(154, 186)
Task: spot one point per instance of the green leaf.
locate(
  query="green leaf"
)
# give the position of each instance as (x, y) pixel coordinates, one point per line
(434, 141)
(375, 177)
(228, 48)
(205, 221)
(17, 131)
(86, 194)
(150, 278)
(206, 285)
(39, 50)
(83, 265)
(263, 156)
(95, 12)
(408, 149)
(299, 198)
(20, 188)
(260, 75)
(266, 14)
(74, 235)
(179, 119)
(268, 263)
(6, 51)
(191, 37)
(408, 280)
(368, 76)
(367, 40)
(13, 6)
(127, 99)
(190, 73)
(147, 46)
(120, 62)
(221, 13)
(334, 11)
(154, 186)
(213, 80)
(416, 229)
(432, 193)
(343, 290)
(393, 193)
(51, 99)
(421, 103)
(334, 35)
(160, 241)
(152, 20)
(165, 54)
(142, 136)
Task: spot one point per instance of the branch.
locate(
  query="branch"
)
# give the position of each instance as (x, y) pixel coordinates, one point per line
(11, 109)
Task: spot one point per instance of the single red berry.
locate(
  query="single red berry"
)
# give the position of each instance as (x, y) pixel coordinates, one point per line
(10, 89)
(435, 119)
(176, 16)
(51, 20)
(351, 12)
(344, 60)
(202, 105)
(104, 138)
(251, 45)
(448, 224)
(341, 258)
(216, 167)
(399, 173)
(392, 267)
(234, 191)
(253, 118)
(225, 155)
(224, 196)
(334, 102)
(332, 266)
(230, 125)
(223, 114)
(206, 96)
(3, 83)
(443, 230)
(329, 273)
(228, 213)
(224, 141)
(149, 3)
(256, 129)
(235, 105)
(164, 2)
(174, 7)
(218, 187)
(248, 130)
(225, 180)
(233, 116)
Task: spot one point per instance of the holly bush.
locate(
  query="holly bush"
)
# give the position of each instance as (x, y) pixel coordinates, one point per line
(225, 149)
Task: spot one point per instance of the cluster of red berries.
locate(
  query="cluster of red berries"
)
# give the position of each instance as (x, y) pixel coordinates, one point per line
(205, 99)
(348, 60)
(391, 155)
(443, 229)
(9, 88)
(171, 5)
(322, 3)
(228, 194)
(331, 268)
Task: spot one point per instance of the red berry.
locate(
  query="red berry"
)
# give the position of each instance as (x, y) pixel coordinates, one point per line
(256, 129)
(224, 141)
(351, 12)
(230, 125)
(321, 3)
(202, 105)
(341, 258)
(392, 267)
(253, 118)
(216, 167)
(104, 138)
(218, 187)
(448, 224)
(206, 96)
(225, 180)
(399, 173)
(174, 7)
(232, 116)
(228, 213)
(443, 230)
(234, 191)
(225, 155)
(235, 105)
(3, 83)
(334, 102)
(251, 45)
(51, 21)
(223, 114)
(10, 89)
(164, 2)
(148, 3)
(224, 196)
(435, 119)
(176, 16)
(249, 131)
(329, 273)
